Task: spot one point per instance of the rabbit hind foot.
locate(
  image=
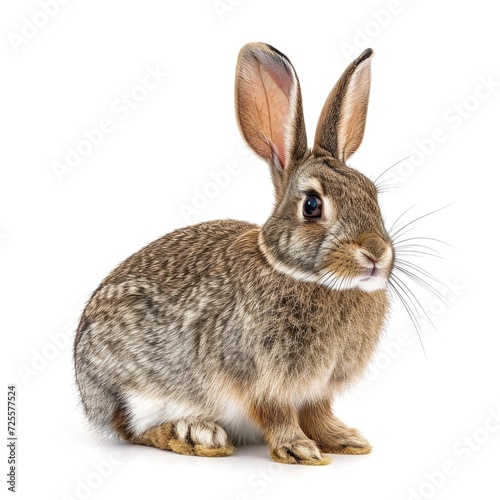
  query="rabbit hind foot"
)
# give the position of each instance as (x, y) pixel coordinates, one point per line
(187, 437)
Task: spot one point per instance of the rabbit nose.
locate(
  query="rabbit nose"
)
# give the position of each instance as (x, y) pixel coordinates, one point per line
(373, 247)
(369, 257)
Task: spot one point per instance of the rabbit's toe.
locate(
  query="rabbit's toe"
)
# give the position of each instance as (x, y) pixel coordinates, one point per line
(302, 451)
(201, 438)
(352, 450)
(351, 442)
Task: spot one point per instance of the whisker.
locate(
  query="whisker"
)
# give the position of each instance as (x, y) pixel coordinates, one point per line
(411, 314)
(385, 186)
(419, 253)
(399, 218)
(402, 245)
(424, 284)
(392, 166)
(404, 233)
(418, 268)
(412, 298)
(324, 275)
(393, 236)
(425, 238)
(420, 307)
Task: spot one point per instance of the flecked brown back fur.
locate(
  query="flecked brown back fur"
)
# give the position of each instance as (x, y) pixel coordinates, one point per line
(226, 325)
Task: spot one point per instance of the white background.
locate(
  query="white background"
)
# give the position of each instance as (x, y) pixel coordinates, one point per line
(61, 236)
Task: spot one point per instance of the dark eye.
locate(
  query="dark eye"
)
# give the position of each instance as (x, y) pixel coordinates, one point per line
(312, 207)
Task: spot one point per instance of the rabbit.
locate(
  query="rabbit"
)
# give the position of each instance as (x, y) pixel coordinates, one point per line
(225, 333)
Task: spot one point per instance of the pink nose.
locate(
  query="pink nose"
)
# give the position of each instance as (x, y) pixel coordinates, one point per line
(369, 257)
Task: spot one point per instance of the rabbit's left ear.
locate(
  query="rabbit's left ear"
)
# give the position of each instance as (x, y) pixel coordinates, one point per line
(269, 109)
(342, 122)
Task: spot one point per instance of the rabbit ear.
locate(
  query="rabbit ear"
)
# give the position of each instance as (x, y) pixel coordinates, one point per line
(342, 121)
(269, 109)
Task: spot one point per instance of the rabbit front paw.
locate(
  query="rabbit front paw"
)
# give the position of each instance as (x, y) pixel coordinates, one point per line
(349, 442)
(301, 451)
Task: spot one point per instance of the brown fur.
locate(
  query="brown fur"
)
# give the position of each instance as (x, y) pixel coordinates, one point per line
(282, 431)
(224, 331)
(319, 423)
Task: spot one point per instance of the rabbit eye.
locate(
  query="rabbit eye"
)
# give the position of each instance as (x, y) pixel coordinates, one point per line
(312, 207)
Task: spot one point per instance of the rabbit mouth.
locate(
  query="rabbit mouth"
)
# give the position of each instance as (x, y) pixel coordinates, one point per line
(373, 279)
(366, 282)
(373, 271)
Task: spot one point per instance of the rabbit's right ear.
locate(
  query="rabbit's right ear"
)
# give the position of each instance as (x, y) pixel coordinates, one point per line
(269, 109)
(342, 122)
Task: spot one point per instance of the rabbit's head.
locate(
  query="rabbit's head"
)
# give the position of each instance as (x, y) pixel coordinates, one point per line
(326, 226)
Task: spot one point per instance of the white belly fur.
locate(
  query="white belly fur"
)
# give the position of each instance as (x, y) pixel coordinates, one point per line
(146, 411)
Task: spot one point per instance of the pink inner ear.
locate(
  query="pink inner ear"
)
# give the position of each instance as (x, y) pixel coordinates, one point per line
(281, 78)
(265, 89)
(275, 105)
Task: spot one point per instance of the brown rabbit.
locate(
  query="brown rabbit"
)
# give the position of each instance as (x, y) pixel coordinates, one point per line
(226, 332)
